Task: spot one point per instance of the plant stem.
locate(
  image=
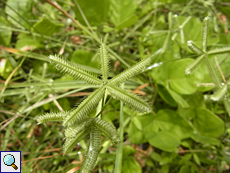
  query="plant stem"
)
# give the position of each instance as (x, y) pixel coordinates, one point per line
(118, 163)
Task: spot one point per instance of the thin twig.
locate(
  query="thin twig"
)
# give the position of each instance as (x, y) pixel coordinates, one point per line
(39, 158)
(217, 64)
(56, 102)
(10, 119)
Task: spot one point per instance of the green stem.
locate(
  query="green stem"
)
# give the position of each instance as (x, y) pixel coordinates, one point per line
(118, 164)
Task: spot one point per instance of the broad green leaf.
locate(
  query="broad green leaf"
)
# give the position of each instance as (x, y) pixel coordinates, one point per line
(169, 73)
(137, 122)
(190, 34)
(84, 57)
(155, 156)
(185, 169)
(95, 12)
(195, 101)
(178, 98)
(163, 140)
(137, 136)
(165, 95)
(121, 11)
(28, 42)
(157, 41)
(168, 120)
(204, 139)
(46, 26)
(207, 123)
(185, 159)
(160, 73)
(130, 165)
(5, 35)
(20, 13)
(179, 81)
(130, 21)
(128, 150)
(196, 158)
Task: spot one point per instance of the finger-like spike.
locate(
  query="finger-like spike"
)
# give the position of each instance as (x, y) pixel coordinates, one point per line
(134, 70)
(71, 142)
(81, 112)
(194, 48)
(59, 116)
(193, 66)
(93, 151)
(108, 129)
(104, 61)
(205, 34)
(73, 131)
(74, 70)
(131, 100)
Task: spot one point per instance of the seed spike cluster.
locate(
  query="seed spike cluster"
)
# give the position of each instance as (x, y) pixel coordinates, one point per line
(77, 123)
(221, 92)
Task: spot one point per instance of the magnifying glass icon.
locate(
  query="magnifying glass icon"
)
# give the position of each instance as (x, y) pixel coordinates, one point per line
(9, 160)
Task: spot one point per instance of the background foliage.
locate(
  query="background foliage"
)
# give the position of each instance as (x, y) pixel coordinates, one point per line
(183, 133)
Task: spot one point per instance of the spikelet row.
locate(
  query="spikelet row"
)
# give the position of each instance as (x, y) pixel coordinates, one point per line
(134, 70)
(93, 151)
(74, 70)
(129, 73)
(219, 94)
(194, 48)
(73, 131)
(104, 61)
(194, 65)
(70, 143)
(129, 99)
(59, 116)
(85, 107)
(108, 129)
